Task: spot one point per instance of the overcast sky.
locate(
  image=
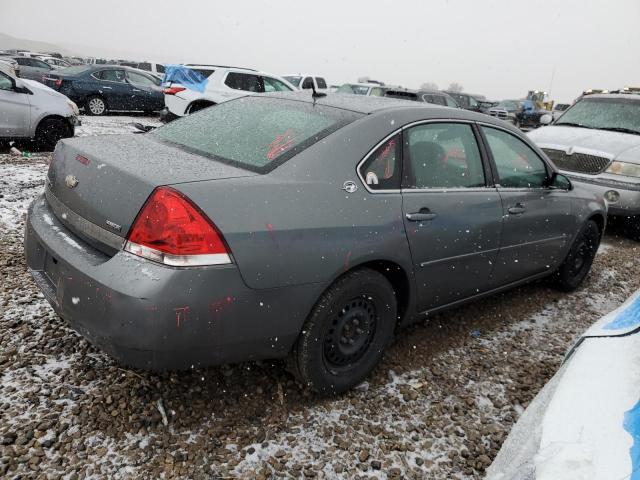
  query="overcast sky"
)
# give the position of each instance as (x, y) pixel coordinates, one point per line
(499, 48)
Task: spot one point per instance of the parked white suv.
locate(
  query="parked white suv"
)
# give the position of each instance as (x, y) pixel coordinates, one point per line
(222, 84)
(306, 81)
(32, 110)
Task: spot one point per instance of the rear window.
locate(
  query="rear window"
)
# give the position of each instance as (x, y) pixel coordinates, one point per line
(74, 70)
(254, 133)
(203, 71)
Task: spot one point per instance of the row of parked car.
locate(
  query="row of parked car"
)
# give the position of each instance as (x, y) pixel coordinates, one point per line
(189, 88)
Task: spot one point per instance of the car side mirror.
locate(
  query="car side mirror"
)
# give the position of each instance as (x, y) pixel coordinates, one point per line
(20, 87)
(559, 182)
(546, 119)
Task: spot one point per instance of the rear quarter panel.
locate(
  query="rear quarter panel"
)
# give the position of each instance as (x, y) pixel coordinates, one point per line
(296, 225)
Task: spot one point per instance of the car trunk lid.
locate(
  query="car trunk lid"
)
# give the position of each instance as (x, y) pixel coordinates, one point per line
(97, 185)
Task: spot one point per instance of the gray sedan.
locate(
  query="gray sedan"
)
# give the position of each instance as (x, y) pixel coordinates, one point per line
(290, 226)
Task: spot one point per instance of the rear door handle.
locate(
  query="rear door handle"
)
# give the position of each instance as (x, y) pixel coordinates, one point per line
(517, 209)
(424, 215)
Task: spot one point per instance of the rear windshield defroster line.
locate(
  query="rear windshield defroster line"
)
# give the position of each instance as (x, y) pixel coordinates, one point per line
(254, 133)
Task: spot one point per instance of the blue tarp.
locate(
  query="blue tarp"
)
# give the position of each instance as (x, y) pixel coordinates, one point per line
(186, 77)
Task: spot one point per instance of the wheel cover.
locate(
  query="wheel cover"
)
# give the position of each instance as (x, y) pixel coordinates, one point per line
(350, 332)
(96, 106)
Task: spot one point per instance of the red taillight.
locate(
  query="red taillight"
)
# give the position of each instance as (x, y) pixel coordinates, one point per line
(173, 90)
(170, 229)
(58, 82)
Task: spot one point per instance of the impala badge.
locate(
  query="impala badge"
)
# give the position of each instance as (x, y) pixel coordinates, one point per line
(114, 225)
(71, 181)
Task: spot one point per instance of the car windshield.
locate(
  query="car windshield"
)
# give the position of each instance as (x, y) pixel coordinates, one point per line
(255, 133)
(350, 88)
(605, 114)
(293, 79)
(508, 105)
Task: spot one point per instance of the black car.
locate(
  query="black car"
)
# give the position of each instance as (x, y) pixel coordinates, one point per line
(469, 102)
(104, 88)
(428, 96)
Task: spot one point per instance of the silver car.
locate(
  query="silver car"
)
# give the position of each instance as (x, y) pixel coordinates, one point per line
(31, 110)
(597, 142)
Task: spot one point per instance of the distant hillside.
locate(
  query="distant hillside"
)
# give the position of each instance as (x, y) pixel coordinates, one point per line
(8, 42)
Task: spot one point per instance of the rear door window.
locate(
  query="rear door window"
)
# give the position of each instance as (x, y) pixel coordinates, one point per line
(321, 82)
(244, 81)
(442, 155)
(111, 75)
(256, 133)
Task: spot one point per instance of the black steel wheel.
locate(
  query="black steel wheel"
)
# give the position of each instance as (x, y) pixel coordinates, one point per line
(578, 262)
(346, 333)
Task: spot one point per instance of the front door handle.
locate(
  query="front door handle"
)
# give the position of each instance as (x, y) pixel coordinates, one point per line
(517, 209)
(424, 215)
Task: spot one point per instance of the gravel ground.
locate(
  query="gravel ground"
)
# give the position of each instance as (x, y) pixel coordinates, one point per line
(439, 405)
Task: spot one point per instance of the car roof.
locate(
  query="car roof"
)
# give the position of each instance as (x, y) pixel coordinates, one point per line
(367, 104)
(213, 67)
(629, 96)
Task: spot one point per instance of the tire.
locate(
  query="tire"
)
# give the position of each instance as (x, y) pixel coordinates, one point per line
(95, 105)
(197, 106)
(632, 227)
(576, 266)
(50, 131)
(346, 333)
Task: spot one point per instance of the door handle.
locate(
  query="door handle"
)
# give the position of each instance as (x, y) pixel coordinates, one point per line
(424, 215)
(517, 209)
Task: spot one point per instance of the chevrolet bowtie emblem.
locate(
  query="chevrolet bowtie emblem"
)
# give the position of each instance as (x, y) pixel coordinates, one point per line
(71, 181)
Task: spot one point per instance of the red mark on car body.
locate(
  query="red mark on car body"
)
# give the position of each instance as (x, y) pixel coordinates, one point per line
(181, 315)
(83, 160)
(346, 261)
(280, 144)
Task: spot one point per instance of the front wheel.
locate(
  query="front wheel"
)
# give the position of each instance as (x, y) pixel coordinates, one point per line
(576, 266)
(346, 333)
(50, 131)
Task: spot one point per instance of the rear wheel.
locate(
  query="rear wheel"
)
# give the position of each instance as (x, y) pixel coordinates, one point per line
(576, 266)
(50, 131)
(632, 227)
(346, 333)
(95, 105)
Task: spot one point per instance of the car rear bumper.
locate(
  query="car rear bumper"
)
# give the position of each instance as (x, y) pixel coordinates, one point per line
(628, 202)
(154, 317)
(176, 105)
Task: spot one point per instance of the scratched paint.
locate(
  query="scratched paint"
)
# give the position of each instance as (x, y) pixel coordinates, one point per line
(181, 315)
(632, 425)
(626, 318)
(347, 260)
